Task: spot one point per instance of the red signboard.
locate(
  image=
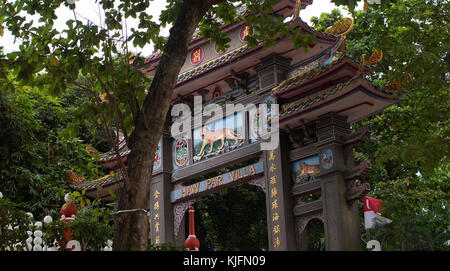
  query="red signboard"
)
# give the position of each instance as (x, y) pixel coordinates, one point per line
(196, 56)
(245, 31)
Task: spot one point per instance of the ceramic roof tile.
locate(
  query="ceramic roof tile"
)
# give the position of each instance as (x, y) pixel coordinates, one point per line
(211, 64)
(111, 178)
(305, 74)
(313, 100)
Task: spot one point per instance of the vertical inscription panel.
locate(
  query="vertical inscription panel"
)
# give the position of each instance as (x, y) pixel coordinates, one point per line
(161, 215)
(280, 221)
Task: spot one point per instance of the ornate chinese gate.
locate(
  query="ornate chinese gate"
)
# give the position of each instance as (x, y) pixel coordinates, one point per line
(320, 92)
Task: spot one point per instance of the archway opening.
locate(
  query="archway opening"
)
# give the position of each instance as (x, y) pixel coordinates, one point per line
(315, 235)
(233, 219)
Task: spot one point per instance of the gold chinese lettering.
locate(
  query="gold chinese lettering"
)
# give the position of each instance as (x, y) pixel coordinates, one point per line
(272, 155)
(157, 240)
(276, 229)
(156, 216)
(272, 167)
(273, 192)
(156, 206)
(276, 242)
(273, 180)
(157, 227)
(156, 194)
(275, 204)
(275, 217)
(245, 31)
(196, 56)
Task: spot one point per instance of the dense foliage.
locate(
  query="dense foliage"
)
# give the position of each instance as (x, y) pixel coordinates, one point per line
(34, 158)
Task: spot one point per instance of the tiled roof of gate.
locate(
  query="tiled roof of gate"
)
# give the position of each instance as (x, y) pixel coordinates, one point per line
(311, 100)
(112, 154)
(321, 96)
(211, 64)
(307, 74)
(111, 178)
(302, 77)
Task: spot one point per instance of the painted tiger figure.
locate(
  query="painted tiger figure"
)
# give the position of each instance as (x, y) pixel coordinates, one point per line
(209, 137)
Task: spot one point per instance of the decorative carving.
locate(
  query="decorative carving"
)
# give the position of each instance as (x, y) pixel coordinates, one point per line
(299, 200)
(220, 135)
(358, 171)
(327, 159)
(305, 135)
(157, 159)
(305, 170)
(395, 85)
(355, 192)
(352, 139)
(308, 130)
(261, 182)
(341, 27)
(374, 59)
(243, 80)
(210, 137)
(181, 153)
(357, 136)
(302, 221)
(202, 92)
(179, 209)
(196, 56)
(296, 137)
(72, 177)
(217, 92)
(305, 179)
(245, 31)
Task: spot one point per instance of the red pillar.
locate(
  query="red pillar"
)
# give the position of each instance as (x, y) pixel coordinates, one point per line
(191, 242)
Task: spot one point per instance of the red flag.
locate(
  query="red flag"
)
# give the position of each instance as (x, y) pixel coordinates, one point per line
(373, 209)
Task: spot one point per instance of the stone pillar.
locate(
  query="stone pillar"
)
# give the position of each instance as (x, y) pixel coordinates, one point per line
(341, 219)
(161, 219)
(280, 221)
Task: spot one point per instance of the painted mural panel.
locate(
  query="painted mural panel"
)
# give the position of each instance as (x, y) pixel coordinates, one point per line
(305, 170)
(157, 160)
(180, 153)
(218, 137)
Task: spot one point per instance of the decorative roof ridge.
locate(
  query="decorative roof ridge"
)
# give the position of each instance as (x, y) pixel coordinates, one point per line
(319, 70)
(298, 21)
(113, 177)
(216, 61)
(111, 156)
(333, 90)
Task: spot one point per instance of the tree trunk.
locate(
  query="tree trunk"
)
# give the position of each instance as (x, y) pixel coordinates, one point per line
(132, 228)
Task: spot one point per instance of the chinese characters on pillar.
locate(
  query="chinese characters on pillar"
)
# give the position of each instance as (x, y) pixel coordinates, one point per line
(274, 200)
(155, 221)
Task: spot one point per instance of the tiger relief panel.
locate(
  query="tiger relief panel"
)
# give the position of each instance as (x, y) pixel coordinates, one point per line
(305, 170)
(218, 137)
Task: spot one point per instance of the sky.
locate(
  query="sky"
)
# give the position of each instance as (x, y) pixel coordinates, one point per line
(88, 10)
